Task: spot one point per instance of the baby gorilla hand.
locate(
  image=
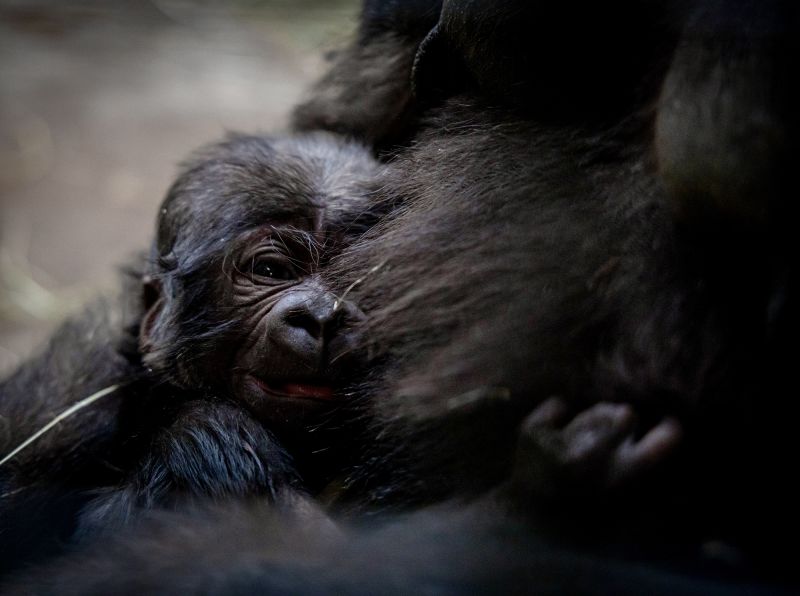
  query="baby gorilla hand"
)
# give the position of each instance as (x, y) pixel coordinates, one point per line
(212, 450)
(564, 455)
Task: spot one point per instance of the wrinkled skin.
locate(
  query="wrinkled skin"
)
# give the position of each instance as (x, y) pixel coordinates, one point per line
(283, 350)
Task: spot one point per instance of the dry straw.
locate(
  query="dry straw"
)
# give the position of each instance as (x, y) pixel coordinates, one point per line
(62, 416)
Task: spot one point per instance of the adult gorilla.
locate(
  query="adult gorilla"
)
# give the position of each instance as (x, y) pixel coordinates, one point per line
(583, 201)
(589, 202)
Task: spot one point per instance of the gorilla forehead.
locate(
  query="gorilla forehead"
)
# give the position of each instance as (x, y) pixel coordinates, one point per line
(315, 181)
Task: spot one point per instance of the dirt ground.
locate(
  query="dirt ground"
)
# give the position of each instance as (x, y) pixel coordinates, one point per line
(99, 101)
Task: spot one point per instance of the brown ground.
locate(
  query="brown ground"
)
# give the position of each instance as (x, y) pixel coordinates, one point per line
(99, 100)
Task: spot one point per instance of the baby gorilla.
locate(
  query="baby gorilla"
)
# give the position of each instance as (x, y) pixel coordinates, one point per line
(244, 347)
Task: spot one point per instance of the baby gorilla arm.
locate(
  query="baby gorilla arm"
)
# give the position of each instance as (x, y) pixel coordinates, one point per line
(212, 450)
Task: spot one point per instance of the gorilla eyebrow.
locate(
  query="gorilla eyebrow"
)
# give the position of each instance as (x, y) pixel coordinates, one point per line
(293, 237)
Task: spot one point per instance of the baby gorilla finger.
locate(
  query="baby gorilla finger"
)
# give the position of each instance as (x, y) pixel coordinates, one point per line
(633, 457)
(548, 415)
(596, 432)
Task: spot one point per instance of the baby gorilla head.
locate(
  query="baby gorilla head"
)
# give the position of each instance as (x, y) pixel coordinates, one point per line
(235, 303)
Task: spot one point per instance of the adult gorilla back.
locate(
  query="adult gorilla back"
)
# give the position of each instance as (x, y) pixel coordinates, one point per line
(585, 202)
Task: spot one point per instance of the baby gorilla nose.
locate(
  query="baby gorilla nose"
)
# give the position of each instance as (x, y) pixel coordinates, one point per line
(311, 337)
(307, 354)
(305, 321)
(318, 320)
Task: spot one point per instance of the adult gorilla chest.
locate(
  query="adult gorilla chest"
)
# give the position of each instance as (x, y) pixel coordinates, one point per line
(520, 262)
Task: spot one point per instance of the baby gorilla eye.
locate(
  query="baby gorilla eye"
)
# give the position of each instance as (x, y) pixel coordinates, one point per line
(271, 269)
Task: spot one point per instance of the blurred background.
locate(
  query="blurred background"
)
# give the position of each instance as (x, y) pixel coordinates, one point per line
(99, 102)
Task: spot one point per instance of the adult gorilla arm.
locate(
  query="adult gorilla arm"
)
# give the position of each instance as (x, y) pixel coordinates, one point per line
(41, 486)
(242, 550)
(366, 94)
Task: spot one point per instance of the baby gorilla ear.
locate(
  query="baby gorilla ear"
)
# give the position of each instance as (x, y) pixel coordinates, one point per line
(160, 339)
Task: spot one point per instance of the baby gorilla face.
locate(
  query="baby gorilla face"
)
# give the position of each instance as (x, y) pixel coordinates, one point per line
(298, 342)
(238, 306)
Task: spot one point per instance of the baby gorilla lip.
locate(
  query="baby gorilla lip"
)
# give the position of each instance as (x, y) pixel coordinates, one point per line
(296, 389)
(306, 390)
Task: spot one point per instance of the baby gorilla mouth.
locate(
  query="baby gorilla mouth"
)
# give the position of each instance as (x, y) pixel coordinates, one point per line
(288, 406)
(296, 389)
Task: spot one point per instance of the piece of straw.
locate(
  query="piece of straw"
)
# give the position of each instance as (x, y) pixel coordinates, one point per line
(340, 300)
(62, 416)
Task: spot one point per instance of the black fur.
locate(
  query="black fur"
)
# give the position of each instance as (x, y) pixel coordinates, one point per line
(538, 242)
(243, 550)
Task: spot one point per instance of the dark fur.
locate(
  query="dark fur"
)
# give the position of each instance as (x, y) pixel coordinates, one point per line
(540, 243)
(42, 487)
(367, 92)
(257, 550)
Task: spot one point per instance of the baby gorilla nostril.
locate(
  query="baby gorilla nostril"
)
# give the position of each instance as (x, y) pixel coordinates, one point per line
(313, 313)
(307, 321)
(305, 330)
